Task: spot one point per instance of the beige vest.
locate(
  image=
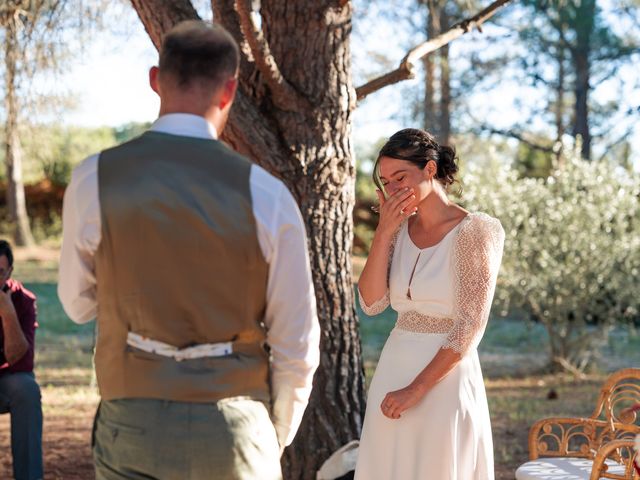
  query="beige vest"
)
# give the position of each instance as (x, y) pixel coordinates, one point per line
(179, 262)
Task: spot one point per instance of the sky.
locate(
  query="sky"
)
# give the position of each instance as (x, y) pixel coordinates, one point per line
(109, 81)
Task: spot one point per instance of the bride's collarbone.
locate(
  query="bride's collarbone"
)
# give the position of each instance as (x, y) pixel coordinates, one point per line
(425, 238)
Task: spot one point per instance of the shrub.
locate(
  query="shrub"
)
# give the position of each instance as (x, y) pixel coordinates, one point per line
(572, 249)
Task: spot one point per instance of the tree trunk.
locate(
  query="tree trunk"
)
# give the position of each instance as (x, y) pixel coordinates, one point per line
(581, 60)
(429, 104)
(16, 204)
(445, 85)
(560, 96)
(437, 96)
(303, 138)
(581, 127)
(560, 107)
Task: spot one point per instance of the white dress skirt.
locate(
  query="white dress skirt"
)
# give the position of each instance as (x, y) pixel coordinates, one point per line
(447, 436)
(442, 295)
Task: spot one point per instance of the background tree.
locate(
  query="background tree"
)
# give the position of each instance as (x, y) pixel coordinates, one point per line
(567, 50)
(572, 252)
(293, 116)
(443, 84)
(32, 33)
(17, 22)
(441, 96)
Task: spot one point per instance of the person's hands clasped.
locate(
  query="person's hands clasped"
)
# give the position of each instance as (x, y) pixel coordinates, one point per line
(397, 402)
(395, 209)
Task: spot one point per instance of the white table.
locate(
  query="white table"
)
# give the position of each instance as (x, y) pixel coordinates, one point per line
(561, 468)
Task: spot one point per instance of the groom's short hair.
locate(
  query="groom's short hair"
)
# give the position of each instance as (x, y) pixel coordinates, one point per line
(199, 51)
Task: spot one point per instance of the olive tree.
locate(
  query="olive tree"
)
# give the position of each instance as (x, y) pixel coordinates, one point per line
(572, 249)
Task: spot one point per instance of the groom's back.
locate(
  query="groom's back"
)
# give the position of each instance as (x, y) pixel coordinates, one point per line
(180, 247)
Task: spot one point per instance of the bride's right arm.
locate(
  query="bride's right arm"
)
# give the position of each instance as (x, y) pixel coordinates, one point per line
(373, 286)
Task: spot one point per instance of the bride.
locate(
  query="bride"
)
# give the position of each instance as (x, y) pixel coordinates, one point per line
(436, 264)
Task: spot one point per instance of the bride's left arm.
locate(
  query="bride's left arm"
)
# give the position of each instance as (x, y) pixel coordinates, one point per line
(476, 260)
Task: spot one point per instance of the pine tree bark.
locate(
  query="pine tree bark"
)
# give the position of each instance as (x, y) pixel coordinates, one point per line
(429, 103)
(16, 203)
(585, 24)
(560, 88)
(445, 85)
(437, 96)
(302, 137)
(581, 125)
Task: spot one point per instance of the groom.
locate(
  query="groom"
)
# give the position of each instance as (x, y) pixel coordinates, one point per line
(194, 261)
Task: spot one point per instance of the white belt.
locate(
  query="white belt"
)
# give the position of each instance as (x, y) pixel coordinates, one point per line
(179, 354)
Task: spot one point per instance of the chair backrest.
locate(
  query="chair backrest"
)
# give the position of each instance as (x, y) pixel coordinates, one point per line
(618, 395)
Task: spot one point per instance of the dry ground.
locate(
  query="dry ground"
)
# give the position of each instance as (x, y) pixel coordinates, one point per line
(516, 398)
(69, 404)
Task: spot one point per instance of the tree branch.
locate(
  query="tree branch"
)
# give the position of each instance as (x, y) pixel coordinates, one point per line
(564, 363)
(616, 142)
(407, 65)
(520, 137)
(284, 96)
(557, 24)
(159, 16)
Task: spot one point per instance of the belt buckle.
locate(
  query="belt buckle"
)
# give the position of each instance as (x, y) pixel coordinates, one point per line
(179, 356)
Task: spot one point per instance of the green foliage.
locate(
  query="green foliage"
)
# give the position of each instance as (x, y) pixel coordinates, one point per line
(365, 159)
(365, 221)
(47, 230)
(572, 250)
(40, 276)
(52, 151)
(532, 162)
(130, 130)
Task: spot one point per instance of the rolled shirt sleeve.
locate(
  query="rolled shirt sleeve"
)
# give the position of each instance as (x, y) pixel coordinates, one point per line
(80, 239)
(293, 331)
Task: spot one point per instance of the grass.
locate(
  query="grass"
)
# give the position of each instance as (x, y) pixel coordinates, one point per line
(512, 355)
(64, 372)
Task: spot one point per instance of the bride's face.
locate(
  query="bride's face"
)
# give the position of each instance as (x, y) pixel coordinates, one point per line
(398, 174)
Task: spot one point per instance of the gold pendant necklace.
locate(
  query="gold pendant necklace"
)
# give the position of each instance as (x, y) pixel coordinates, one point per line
(411, 277)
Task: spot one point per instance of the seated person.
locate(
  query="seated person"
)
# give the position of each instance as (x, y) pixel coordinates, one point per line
(19, 392)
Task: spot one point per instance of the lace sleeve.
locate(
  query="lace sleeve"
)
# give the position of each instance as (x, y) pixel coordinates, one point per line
(476, 260)
(376, 307)
(381, 304)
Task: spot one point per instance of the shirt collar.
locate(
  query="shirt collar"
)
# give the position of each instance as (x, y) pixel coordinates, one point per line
(184, 124)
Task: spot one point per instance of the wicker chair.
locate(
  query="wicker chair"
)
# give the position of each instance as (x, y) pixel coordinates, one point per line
(594, 448)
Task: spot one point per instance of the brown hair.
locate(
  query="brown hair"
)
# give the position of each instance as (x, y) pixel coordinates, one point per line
(199, 51)
(419, 147)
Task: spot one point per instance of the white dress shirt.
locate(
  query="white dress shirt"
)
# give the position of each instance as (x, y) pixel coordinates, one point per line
(293, 332)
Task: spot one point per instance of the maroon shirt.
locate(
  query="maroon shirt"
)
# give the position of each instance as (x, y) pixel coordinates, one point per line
(25, 304)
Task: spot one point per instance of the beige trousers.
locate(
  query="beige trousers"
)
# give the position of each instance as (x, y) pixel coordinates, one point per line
(232, 439)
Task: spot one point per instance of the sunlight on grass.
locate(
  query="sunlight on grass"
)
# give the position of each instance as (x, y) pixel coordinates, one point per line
(69, 400)
(512, 353)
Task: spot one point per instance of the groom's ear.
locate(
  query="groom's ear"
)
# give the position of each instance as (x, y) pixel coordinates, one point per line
(228, 92)
(153, 79)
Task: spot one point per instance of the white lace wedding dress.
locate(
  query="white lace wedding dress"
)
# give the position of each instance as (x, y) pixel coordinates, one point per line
(443, 295)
